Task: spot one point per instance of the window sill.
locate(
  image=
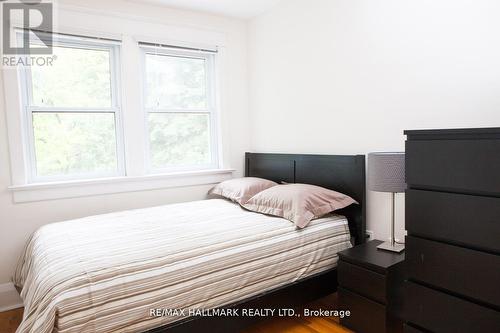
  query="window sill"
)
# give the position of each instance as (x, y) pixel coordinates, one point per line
(82, 188)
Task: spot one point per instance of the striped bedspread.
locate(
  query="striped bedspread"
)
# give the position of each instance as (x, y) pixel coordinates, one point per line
(106, 273)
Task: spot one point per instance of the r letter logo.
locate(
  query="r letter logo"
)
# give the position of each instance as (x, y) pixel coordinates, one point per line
(35, 17)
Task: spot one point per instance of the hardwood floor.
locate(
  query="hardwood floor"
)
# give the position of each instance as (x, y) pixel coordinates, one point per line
(10, 320)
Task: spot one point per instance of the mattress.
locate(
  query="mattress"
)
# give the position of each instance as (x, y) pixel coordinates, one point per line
(107, 273)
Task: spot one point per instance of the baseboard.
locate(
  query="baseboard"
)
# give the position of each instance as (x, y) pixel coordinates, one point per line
(9, 297)
(4, 287)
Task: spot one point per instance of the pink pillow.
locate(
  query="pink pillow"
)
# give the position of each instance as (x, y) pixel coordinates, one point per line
(241, 189)
(299, 203)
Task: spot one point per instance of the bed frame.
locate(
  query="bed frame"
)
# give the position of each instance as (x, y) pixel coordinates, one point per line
(342, 173)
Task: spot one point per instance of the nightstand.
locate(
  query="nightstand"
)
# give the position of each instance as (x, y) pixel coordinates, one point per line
(370, 287)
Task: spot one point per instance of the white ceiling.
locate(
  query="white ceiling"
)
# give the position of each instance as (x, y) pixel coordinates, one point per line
(244, 9)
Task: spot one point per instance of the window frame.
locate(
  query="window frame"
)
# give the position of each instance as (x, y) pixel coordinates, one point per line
(29, 108)
(211, 107)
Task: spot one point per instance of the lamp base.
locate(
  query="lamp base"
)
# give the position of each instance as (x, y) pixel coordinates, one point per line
(387, 246)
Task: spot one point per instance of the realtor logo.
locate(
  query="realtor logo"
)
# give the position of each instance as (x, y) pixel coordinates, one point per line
(34, 17)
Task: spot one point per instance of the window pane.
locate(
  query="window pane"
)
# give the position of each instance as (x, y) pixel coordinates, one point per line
(78, 78)
(179, 139)
(175, 82)
(74, 143)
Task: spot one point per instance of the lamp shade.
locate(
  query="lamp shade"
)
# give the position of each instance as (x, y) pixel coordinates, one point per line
(386, 172)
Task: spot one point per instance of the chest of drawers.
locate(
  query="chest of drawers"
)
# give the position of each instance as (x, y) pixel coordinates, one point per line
(370, 287)
(453, 224)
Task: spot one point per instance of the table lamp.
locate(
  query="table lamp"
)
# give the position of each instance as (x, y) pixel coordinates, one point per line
(386, 173)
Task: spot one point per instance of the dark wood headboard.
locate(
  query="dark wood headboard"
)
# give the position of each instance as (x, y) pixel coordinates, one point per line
(342, 173)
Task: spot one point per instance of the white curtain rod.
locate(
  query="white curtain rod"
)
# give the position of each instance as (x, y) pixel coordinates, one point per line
(74, 35)
(177, 47)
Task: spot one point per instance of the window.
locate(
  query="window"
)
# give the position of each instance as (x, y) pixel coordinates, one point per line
(180, 109)
(73, 112)
(75, 126)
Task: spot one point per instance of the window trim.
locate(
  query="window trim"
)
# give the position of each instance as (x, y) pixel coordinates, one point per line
(211, 109)
(136, 178)
(114, 185)
(28, 107)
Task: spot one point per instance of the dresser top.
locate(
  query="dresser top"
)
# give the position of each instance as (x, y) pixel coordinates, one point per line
(454, 133)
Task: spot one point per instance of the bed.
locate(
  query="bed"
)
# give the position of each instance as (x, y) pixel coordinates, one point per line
(150, 269)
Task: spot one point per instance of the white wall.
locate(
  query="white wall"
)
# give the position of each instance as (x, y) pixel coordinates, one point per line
(348, 76)
(326, 76)
(18, 221)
